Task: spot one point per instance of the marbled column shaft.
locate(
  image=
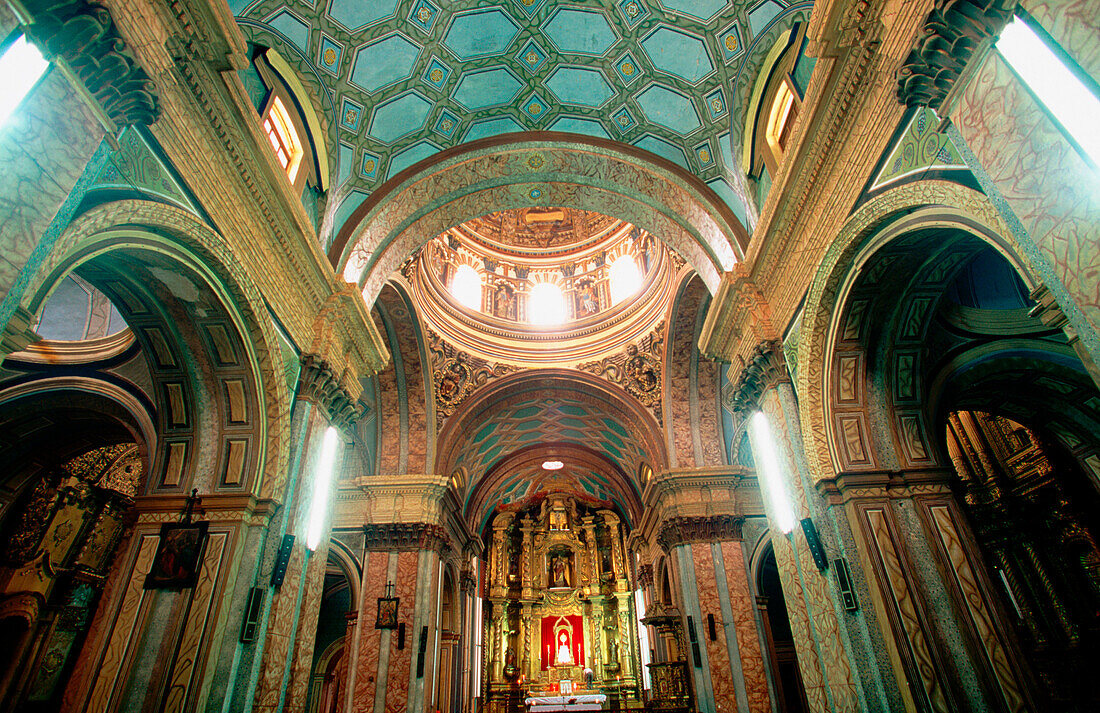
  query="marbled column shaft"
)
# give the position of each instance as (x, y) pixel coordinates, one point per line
(822, 659)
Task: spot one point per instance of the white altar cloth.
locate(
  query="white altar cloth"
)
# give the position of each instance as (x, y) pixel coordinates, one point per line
(572, 702)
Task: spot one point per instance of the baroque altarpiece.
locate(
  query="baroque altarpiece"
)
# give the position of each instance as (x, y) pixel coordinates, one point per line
(558, 604)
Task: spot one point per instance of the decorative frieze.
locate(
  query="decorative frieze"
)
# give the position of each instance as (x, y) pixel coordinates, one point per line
(406, 536)
(683, 530)
(83, 35)
(765, 369)
(953, 33)
(317, 383)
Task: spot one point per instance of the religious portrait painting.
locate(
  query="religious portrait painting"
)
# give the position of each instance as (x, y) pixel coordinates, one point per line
(387, 613)
(178, 557)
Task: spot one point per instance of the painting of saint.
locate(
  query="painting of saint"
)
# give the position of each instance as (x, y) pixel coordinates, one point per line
(589, 302)
(387, 613)
(179, 554)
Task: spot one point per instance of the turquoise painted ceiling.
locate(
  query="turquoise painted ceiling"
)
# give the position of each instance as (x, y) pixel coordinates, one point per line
(408, 78)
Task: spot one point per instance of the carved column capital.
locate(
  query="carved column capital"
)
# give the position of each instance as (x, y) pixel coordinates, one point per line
(318, 384)
(765, 370)
(81, 37)
(407, 537)
(683, 530)
(954, 32)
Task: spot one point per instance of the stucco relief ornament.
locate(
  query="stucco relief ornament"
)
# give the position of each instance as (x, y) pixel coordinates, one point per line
(638, 370)
(457, 374)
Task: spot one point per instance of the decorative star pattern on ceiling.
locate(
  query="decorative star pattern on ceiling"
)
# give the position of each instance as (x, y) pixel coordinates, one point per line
(408, 78)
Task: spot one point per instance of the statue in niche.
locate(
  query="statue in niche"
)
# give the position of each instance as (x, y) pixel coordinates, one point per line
(559, 520)
(559, 572)
(565, 651)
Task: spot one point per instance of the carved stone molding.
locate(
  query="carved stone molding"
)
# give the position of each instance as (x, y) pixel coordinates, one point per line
(320, 385)
(638, 369)
(406, 536)
(683, 530)
(645, 575)
(876, 485)
(21, 606)
(17, 334)
(738, 311)
(765, 369)
(83, 34)
(953, 33)
(457, 374)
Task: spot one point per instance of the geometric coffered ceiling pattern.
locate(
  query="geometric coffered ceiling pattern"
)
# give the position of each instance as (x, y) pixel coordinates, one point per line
(549, 420)
(408, 78)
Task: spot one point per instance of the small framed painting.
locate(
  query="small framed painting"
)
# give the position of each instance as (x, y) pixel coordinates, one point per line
(387, 613)
(179, 556)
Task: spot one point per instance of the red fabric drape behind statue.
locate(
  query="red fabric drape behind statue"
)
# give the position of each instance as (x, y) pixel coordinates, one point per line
(548, 650)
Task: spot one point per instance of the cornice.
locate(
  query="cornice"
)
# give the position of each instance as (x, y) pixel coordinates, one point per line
(86, 351)
(738, 310)
(721, 491)
(216, 507)
(318, 384)
(765, 370)
(954, 33)
(880, 484)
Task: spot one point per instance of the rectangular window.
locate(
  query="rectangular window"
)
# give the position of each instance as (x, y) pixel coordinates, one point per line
(1055, 82)
(283, 137)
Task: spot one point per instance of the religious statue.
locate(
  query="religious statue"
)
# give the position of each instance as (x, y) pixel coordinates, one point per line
(565, 652)
(559, 520)
(559, 571)
(510, 663)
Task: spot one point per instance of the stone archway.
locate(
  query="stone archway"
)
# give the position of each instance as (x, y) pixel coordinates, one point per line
(541, 170)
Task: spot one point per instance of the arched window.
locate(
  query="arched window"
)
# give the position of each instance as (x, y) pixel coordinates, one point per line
(466, 287)
(284, 138)
(546, 305)
(625, 278)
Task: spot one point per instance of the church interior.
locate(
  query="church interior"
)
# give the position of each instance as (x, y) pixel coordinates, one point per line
(411, 356)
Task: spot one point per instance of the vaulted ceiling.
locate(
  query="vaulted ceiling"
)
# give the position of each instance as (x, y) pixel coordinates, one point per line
(407, 78)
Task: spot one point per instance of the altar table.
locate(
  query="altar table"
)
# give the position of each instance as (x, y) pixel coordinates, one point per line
(571, 702)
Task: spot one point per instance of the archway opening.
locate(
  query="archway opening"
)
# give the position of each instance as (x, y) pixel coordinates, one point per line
(790, 692)
(73, 463)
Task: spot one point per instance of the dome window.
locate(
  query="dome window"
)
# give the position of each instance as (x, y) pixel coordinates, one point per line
(547, 305)
(625, 278)
(466, 287)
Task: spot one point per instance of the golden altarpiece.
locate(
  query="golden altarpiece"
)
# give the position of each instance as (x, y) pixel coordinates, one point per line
(559, 604)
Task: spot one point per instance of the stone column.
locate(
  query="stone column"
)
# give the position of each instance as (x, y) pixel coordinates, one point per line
(822, 645)
(711, 565)
(294, 606)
